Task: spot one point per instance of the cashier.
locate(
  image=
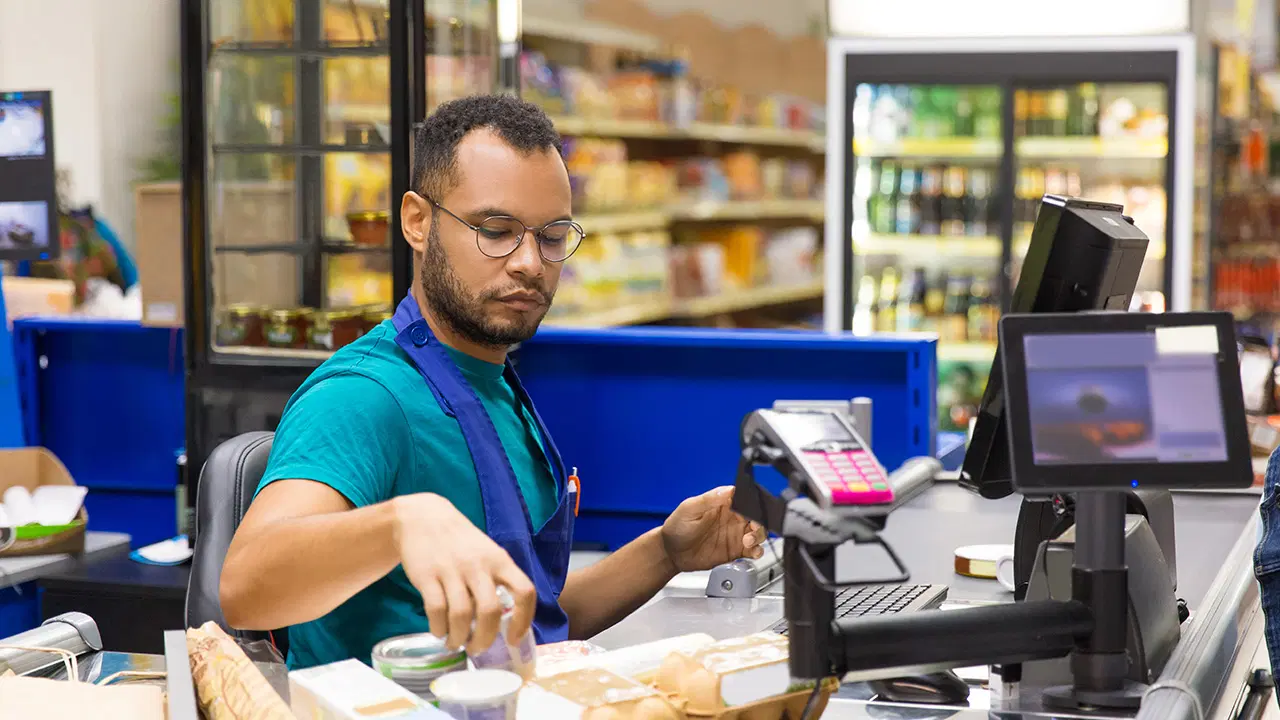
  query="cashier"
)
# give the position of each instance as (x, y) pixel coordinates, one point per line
(410, 474)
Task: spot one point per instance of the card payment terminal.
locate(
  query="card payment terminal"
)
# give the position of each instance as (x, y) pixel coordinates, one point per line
(838, 466)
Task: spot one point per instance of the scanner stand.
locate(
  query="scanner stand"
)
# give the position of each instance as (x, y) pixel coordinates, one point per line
(1091, 628)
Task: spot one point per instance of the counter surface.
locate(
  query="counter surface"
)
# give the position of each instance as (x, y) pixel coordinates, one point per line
(1207, 527)
(18, 570)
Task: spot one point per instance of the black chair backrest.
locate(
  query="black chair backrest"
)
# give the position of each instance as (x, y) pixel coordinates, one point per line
(228, 481)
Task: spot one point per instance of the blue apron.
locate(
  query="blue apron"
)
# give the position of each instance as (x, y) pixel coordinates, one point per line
(542, 555)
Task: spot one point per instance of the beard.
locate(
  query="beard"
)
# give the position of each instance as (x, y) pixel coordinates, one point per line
(463, 310)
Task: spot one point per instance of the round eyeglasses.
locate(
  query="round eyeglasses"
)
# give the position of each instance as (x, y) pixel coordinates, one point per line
(498, 236)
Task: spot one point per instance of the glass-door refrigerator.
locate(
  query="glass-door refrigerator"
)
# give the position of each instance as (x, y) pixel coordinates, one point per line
(297, 117)
(939, 152)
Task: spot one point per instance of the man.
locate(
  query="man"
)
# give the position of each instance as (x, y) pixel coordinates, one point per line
(410, 475)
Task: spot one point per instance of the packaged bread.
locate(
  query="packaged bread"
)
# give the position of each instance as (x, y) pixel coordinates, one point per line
(638, 662)
(747, 678)
(593, 694)
(228, 684)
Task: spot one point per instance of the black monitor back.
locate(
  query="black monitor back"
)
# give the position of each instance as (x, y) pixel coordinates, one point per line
(1083, 256)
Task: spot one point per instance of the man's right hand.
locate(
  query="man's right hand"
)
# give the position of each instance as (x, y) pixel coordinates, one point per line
(458, 569)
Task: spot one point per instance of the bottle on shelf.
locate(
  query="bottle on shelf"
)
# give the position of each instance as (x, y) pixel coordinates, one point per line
(944, 111)
(919, 113)
(982, 312)
(907, 214)
(864, 309)
(978, 201)
(953, 201)
(884, 202)
(1057, 108)
(955, 310)
(886, 310)
(935, 297)
(931, 200)
(987, 116)
(965, 112)
(1088, 109)
(912, 303)
(1037, 113)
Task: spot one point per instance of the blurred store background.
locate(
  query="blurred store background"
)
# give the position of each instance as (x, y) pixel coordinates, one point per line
(845, 165)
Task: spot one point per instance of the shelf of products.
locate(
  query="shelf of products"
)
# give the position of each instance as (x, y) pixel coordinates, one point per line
(735, 134)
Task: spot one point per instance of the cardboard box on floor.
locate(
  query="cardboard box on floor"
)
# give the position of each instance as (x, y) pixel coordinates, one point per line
(32, 467)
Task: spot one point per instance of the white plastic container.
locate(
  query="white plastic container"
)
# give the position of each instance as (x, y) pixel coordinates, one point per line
(519, 655)
(478, 694)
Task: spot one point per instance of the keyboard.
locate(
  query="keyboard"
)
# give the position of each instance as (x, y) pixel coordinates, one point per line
(882, 600)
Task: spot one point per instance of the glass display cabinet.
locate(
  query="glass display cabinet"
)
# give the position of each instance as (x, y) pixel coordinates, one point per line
(297, 117)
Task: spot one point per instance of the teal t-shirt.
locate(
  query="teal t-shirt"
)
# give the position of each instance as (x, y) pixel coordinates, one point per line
(366, 424)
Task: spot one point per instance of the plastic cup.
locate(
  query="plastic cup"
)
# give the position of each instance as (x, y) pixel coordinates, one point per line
(478, 694)
(519, 655)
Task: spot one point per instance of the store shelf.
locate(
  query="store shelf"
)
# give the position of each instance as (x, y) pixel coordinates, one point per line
(623, 222)
(585, 32)
(692, 308)
(1089, 147)
(935, 147)
(294, 149)
(274, 49)
(697, 131)
(615, 317)
(309, 355)
(946, 246)
(966, 352)
(332, 246)
(745, 300)
(750, 210)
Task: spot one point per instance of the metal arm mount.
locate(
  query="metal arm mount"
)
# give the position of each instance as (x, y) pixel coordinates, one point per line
(1091, 627)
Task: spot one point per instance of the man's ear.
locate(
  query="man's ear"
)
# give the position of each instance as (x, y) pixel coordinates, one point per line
(415, 214)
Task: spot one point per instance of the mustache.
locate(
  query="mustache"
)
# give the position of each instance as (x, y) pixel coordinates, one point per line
(528, 287)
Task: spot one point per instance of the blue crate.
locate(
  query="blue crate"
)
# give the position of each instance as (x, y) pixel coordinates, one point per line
(651, 416)
(107, 397)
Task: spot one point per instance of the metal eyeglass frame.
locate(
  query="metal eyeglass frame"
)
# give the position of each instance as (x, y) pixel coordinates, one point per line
(537, 233)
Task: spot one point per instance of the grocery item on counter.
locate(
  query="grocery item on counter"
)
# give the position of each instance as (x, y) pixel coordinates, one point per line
(415, 661)
(593, 694)
(228, 685)
(478, 694)
(638, 662)
(750, 671)
(518, 655)
(351, 690)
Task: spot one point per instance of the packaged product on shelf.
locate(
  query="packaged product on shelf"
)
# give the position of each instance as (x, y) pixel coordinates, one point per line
(539, 84)
(742, 170)
(792, 256)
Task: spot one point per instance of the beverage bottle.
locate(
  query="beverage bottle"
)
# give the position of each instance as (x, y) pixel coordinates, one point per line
(886, 315)
(931, 200)
(953, 201)
(978, 203)
(1088, 109)
(935, 295)
(884, 207)
(981, 328)
(907, 216)
(987, 117)
(1021, 113)
(955, 310)
(864, 309)
(1058, 107)
(965, 112)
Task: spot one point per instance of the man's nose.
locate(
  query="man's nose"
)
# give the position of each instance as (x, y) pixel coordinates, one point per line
(527, 259)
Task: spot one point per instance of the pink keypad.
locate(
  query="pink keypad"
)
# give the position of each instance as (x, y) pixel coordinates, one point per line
(853, 477)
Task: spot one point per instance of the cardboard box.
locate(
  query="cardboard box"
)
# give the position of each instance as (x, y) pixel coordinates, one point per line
(158, 252)
(351, 690)
(32, 467)
(28, 296)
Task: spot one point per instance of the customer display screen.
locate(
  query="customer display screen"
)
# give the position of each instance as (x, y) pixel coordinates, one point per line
(806, 428)
(1125, 397)
(22, 126)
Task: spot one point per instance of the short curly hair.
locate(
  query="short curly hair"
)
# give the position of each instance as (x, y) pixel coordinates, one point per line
(521, 125)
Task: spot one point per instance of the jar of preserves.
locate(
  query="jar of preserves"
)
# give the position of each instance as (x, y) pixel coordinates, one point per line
(320, 336)
(287, 328)
(374, 315)
(240, 325)
(348, 326)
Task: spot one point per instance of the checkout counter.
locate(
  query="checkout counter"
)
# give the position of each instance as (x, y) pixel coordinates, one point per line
(1222, 642)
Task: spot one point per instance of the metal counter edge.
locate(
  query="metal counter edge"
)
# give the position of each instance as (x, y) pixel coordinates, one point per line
(1196, 674)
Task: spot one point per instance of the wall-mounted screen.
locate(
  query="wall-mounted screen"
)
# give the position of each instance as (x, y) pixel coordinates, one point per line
(28, 184)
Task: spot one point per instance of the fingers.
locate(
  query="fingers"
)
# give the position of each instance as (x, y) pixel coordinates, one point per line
(522, 592)
(488, 610)
(753, 541)
(433, 601)
(461, 610)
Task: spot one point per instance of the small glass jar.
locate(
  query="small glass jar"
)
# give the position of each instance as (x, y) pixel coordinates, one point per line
(320, 335)
(348, 326)
(373, 316)
(241, 325)
(287, 328)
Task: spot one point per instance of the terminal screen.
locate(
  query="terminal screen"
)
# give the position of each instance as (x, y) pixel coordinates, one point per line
(803, 428)
(21, 126)
(1125, 397)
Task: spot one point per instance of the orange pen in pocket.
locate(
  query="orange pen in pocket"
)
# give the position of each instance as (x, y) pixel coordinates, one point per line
(575, 487)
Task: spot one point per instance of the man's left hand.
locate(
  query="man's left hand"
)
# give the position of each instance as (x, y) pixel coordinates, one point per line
(703, 533)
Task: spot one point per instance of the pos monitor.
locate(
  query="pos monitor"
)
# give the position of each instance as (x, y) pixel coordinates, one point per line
(28, 185)
(1083, 256)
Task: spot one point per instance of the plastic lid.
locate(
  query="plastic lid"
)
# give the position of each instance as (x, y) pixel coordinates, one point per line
(476, 687)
